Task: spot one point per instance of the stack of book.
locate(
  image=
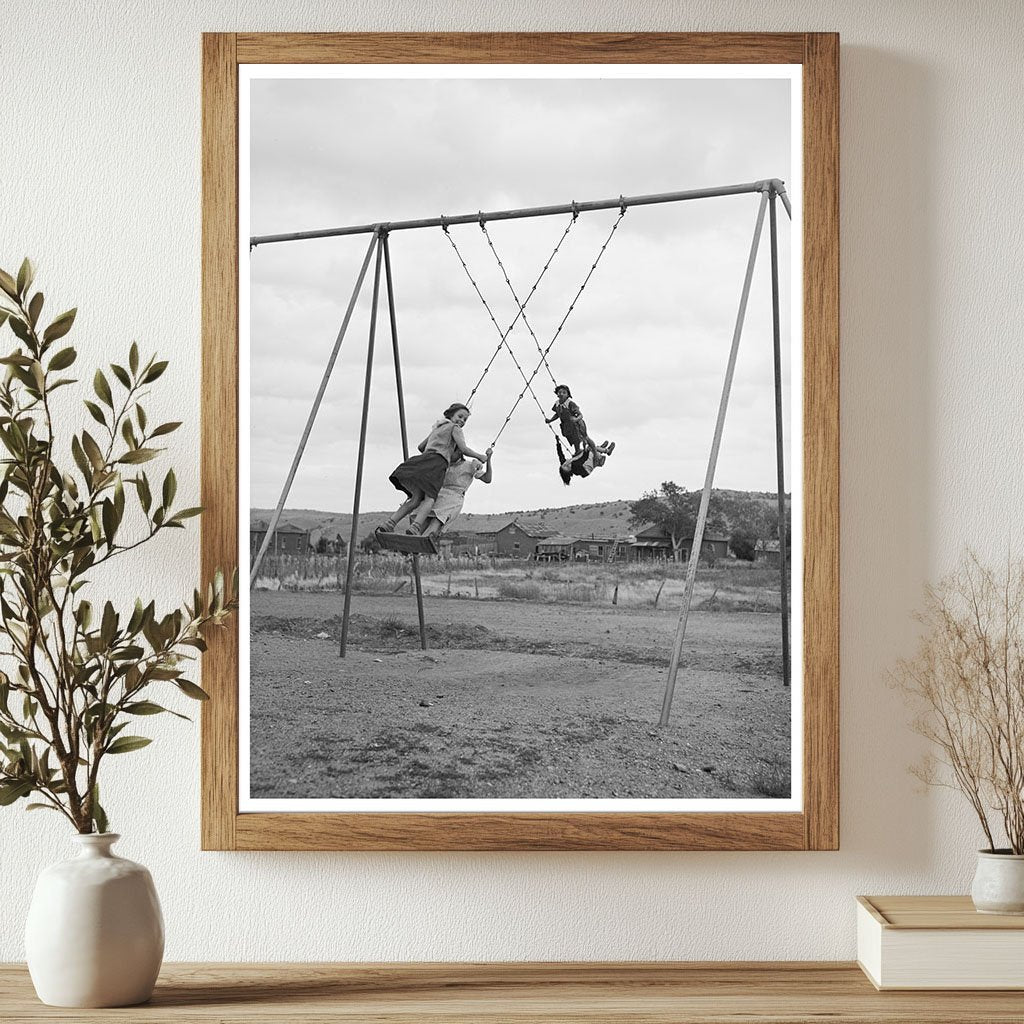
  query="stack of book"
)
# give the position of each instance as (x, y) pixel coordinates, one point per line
(938, 942)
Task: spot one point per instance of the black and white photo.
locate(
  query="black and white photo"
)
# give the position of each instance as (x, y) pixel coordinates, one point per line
(486, 570)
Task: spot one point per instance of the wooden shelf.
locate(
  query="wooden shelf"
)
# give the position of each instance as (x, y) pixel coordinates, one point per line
(648, 993)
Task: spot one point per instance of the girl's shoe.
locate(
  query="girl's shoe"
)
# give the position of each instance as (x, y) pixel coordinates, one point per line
(414, 530)
(388, 527)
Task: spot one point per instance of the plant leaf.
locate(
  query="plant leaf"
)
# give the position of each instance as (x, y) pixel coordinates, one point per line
(191, 690)
(80, 458)
(60, 326)
(154, 371)
(84, 614)
(102, 388)
(128, 433)
(145, 498)
(133, 358)
(109, 522)
(92, 449)
(99, 816)
(35, 308)
(26, 274)
(95, 412)
(126, 744)
(8, 284)
(108, 624)
(186, 513)
(147, 707)
(20, 328)
(63, 359)
(14, 790)
(139, 455)
(170, 488)
(165, 428)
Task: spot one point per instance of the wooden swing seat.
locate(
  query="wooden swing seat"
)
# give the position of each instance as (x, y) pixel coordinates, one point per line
(407, 544)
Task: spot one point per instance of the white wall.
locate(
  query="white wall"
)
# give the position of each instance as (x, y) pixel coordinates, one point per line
(99, 182)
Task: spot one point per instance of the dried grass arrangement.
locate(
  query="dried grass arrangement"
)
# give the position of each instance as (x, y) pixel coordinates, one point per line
(967, 682)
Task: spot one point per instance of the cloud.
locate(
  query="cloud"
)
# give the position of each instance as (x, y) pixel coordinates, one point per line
(645, 347)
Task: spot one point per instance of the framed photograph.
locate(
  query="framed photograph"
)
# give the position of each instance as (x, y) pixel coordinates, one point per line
(520, 407)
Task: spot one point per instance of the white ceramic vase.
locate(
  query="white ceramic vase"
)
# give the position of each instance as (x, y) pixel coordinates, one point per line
(999, 883)
(95, 934)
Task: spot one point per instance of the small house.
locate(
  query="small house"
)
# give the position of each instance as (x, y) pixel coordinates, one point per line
(557, 548)
(287, 540)
(654, 543)
(767, 553)
(651, 544)
(513, 540)
(595, 549)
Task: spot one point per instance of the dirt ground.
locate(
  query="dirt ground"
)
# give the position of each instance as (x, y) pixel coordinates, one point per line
(513, 699)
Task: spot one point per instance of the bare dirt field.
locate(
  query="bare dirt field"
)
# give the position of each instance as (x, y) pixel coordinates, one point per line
(513, 698)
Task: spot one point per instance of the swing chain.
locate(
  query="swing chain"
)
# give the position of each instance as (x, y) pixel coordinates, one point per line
(522, 305)
(503, 335)
(558, 330)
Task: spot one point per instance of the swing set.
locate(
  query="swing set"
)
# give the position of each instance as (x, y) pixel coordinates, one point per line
(768, 189)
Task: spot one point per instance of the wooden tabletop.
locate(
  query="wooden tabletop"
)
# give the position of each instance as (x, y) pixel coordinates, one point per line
(659, 993)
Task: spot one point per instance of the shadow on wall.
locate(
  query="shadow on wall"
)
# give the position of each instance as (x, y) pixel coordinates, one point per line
(889, 198)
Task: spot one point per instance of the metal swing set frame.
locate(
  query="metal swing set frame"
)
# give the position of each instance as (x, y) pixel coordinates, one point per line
(768, 189)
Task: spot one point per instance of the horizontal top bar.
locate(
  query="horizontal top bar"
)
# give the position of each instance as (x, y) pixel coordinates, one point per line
(622, 202)
(523, 47)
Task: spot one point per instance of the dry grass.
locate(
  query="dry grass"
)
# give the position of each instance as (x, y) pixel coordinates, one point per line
(967, 680)
(729, 587)
(515, 591)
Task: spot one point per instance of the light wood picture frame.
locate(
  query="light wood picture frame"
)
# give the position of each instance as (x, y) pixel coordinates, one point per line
(815, 826)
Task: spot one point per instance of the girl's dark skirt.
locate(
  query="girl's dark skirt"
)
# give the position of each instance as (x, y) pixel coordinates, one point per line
(574, 431)
(421, 473)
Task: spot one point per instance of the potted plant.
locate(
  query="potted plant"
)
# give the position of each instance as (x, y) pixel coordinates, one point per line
(967, 682)
(82, 671)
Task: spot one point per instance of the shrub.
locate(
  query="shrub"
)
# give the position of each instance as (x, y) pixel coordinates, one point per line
(519, 591)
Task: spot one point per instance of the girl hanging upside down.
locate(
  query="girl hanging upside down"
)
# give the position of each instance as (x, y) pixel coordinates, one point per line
(422, 476)
(450, 498)
(571, 422)
(584, 462)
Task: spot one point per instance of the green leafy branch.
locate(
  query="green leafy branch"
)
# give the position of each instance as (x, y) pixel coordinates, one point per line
(82, 674)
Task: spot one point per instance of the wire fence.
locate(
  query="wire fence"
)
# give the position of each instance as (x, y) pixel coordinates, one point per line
(726, 587)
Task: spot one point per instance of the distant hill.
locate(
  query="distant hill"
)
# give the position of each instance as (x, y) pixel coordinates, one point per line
(603, 519)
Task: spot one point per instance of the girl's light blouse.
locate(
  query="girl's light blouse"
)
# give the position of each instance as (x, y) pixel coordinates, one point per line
(462, 474)
(445, 438)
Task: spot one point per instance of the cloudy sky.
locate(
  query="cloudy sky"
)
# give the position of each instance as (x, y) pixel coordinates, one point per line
(645, 349)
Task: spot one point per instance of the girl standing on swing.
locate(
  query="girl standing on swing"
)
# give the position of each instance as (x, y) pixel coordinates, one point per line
(571, 422)
(422, 476)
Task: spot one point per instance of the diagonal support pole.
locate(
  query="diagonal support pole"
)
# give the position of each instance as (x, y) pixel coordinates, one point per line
(779, 454)
(362, 453)
(275, 518)
(705, 497)
(401, 421)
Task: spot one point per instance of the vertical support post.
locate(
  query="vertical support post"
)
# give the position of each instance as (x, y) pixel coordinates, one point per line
(401, 421)
(705, 497)
(362, 453)
(779, 455)
(275, 518)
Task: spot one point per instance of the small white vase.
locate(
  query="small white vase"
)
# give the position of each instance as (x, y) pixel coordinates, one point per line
(95, 934)
(999, 882)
